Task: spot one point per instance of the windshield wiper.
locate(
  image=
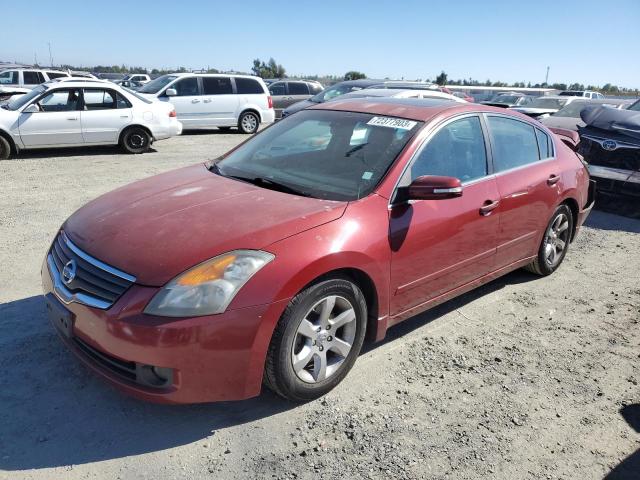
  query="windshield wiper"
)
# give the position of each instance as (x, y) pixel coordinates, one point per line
(355, 149)
(261, 182)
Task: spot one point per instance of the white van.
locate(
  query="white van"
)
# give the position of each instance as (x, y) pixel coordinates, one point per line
(204, 100)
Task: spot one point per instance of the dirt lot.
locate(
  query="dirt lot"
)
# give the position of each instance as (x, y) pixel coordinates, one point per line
(523, 378)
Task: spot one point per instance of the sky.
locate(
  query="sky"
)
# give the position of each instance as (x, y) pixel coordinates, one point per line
(589, 42)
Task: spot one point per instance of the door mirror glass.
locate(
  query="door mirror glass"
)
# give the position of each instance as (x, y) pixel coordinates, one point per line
(171, 92)
(33, 108)
(432, 187)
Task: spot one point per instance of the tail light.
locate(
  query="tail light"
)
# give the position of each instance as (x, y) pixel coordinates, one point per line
(270, 101)
(172, 114)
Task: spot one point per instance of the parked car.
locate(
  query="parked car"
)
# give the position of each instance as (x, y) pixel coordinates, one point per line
(273, 263)
(610, 144)
(581, 93)
(288, 92)
(81, 113)
(17, 81)
(464, 96)
(512, 99)
(139, 78)
(206, 100)
(568, 117)
(397, 93)
(542, 107)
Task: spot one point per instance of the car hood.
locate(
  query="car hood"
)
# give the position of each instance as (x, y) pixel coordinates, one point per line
(157, 228)
(534, 111)
(570, 123)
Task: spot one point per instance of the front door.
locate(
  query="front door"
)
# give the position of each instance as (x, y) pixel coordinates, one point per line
(219, 103)
(104, 115)
(188, 102)
(439, 245)
(56, 123)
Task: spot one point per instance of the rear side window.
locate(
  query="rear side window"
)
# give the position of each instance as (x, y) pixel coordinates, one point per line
(33, 78)
(217, 85)
(248, 85)
(104, 100)
(186, 87)
(277, 89)
(53, 75)
(298, 88)
(544, 145)
(10, 77)
(514, 143)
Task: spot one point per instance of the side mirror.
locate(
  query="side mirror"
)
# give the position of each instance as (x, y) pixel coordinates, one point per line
(171, 92)
(432, 187)
(33, 108)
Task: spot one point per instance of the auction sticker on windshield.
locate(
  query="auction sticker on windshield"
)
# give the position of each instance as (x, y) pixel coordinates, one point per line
(392, 123)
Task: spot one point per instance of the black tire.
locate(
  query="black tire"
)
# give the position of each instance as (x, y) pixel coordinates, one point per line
(136, 140)
(541, 265)
(280, 375)
(224, 129)
(5, 148)
(249, 122)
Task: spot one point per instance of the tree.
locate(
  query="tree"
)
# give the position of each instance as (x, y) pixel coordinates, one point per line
(442, 78)
(354, 75)
(271, 69)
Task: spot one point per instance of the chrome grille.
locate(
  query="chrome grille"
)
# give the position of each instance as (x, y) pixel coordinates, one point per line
(78, 277)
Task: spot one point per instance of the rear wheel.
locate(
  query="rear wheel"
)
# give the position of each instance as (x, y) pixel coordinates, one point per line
(248, 122)
(5, 149)
(136, 140)
(317, 340)
(555, 242)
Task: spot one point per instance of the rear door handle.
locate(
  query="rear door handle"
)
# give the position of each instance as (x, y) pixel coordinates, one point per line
(553, 179)
(195, 100)
(488, 207)
(207, 100)
(72, 119)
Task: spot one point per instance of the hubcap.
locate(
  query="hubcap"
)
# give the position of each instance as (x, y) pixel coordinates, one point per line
(249, 122)
(136, 140)
(324, 339)
(556, 240)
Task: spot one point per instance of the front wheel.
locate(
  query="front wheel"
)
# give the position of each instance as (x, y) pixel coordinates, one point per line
(136, 140)
(555, 242)
(317, 340)
(5, 148)
(248, 122)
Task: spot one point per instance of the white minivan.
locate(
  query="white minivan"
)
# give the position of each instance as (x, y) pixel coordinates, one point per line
(204, 100)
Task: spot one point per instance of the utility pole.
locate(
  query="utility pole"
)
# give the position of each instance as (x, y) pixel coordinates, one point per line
(35, 59)
(50, 56)
(546, 79)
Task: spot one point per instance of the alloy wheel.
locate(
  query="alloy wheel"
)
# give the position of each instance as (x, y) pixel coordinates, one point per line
(556, 240)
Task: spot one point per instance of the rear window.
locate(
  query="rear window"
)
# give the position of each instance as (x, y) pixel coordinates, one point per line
(53, 75)
(248, 85)
(298, 88)
(216, 85)
(33, 78)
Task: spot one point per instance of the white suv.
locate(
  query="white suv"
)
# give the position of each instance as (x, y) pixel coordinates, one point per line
(81, 113)
(17, 81)
(204, 100)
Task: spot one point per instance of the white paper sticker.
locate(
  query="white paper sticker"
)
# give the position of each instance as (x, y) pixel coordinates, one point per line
(367, 175)
(392, 122)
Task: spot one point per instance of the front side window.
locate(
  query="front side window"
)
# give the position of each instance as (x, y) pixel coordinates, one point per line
(456, 150)
(217, 85)
(32, 78)
(248, 86)
(60, 101)
(514, 143)
(186, 87)
(9, 77)
(100, 99)
(277, 88)
(298, 88)
(322, 154)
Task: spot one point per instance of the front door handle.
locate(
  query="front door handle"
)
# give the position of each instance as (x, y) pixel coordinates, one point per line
(488, 207)
(72, 119)
(553, 179)
(195, 100)
(207, 100)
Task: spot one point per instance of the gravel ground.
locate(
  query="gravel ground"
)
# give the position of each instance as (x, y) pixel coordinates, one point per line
(522, 378)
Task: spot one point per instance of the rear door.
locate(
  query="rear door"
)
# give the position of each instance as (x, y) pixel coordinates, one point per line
(31, 78)
(105, 113)
(528, 177)
(219, 102)
(57, 122)
(280, 97)
(188, 102)
(298, 91)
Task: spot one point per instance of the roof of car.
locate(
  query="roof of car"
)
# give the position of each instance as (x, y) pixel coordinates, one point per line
(185, 74)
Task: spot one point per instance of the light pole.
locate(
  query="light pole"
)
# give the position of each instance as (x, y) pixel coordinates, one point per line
(546, 79)
(50, 56)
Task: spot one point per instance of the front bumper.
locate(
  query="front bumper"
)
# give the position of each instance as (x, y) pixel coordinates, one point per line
(212, 358)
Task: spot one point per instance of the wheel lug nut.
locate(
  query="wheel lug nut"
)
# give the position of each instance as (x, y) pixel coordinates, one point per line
(314, 342)
(329, 338)
(318, 329)
(321, 348)
(328, 327)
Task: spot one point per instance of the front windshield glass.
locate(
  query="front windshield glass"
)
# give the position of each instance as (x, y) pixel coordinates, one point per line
(333, 92)
(635, 106)
(550, 103)
(22, 100)
(154, 86)
(506, 99)
(572, 110)
(322, 154)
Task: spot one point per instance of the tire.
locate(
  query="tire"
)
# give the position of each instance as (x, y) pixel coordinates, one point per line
(249, 122)
(135, 140)
(296, 336)
(224, 129)
(5, 148)
(555, 242)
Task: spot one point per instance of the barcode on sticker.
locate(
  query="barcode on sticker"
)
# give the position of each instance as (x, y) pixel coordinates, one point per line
(392, 123)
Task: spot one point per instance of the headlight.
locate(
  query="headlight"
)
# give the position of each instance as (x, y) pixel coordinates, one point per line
(209, 287)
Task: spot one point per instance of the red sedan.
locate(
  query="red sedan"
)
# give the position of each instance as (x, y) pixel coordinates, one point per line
(274, 263)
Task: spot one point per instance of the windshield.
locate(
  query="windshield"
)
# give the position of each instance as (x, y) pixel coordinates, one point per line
(22, 100)
(572, 110)
(333, 92)
(323, 154)
(506, 99)
(550, 103)
(154, 86)
(635, 106)
(570, 94)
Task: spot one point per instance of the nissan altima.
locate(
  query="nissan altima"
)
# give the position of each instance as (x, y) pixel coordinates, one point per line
(274, 263)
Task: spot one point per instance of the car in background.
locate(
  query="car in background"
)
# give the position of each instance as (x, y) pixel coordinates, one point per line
(288, 92)
(140, 78)
(81, 74)
(581, 93)
(544, 106)
(397, 93)
(210, 100)
(83, 113)
(17, 81)
(271, 264)
(568, 117)
(511, 99)
(464, 96)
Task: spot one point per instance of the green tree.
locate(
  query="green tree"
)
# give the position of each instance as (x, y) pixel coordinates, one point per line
(271, 69)
(354, 75)
(442, 78)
